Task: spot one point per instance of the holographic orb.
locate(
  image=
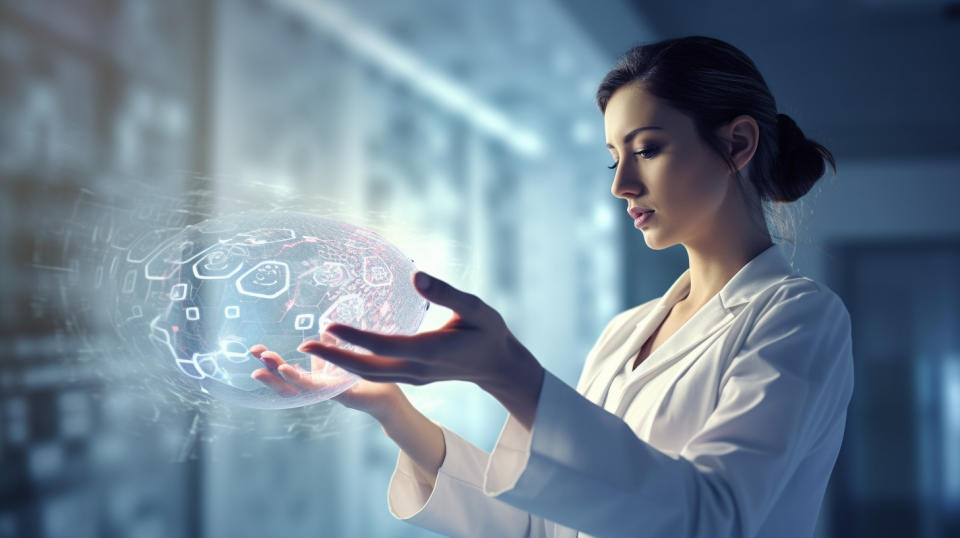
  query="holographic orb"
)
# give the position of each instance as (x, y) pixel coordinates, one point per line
(212, 290)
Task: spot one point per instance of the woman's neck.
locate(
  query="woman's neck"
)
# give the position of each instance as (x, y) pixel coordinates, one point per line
(711, 267)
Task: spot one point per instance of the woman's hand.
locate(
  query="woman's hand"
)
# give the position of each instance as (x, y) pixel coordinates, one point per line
(475, 345)
(375, 399)
(414, 433)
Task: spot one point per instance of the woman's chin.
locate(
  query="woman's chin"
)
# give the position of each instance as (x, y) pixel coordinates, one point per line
(654, 242)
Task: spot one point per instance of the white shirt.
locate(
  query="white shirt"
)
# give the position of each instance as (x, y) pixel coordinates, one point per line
(730, 428)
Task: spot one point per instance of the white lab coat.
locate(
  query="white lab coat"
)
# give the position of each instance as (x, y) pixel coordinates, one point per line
(729, 429)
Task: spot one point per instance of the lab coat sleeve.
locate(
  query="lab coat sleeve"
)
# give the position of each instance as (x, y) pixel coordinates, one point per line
(584, 468)
(456, 505)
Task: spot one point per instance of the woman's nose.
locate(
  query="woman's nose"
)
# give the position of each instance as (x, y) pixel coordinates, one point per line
(625, 184)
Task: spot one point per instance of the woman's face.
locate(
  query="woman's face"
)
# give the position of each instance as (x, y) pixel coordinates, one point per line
(667, 168)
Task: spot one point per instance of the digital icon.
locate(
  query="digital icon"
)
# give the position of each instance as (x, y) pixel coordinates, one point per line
(303, 322)
(376, 273)
(346, 309)
(220, 262)
(268, 279)
(178, 292)
(330, 274)
(129, 281)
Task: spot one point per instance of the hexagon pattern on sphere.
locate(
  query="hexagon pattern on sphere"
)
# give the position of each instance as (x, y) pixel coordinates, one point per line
(274, 278)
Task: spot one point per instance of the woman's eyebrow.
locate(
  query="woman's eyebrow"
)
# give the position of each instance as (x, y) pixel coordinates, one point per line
(631, 134)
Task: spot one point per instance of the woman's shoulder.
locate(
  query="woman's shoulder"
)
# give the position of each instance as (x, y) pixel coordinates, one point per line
(797, 288)
(795, 301)
(797, 325)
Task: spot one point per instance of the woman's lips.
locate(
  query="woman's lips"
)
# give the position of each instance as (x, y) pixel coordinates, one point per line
(642, 219)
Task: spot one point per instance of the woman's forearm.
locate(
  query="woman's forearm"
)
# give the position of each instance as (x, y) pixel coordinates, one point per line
(416, 435)
(516, 387)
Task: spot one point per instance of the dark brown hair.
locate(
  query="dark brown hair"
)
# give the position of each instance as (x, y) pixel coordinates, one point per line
(713, 82)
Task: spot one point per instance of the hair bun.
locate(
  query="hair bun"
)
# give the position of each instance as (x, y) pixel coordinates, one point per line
(800, 161)
(789, 135)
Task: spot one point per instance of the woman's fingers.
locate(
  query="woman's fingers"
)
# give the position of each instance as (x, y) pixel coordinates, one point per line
(467, 305)
(272, 380)
(271, 359)
(393, 345)
(279, 375)
(297, 377)
(391, 357)
(316, 363)
(372, 367)
(420, 347)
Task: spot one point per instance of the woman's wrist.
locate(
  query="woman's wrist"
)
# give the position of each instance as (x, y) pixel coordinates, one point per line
(516, 384)
(390, 412)
(416, 435)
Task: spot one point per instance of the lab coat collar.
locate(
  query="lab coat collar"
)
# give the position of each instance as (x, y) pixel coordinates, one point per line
(707, 321)
(758, 274)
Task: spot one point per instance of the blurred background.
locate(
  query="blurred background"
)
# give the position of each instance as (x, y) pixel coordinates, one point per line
(465, 133)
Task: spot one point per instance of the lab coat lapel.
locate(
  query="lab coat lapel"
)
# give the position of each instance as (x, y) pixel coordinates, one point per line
(711, 318)
(599, 386)
(718, 313)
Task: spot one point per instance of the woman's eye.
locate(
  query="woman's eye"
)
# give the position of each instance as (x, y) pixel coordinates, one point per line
(652, 151)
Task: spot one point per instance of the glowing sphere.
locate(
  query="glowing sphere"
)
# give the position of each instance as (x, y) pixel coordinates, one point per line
(217, 288)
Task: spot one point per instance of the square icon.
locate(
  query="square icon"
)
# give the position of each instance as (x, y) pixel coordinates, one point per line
(232, 312)
(129, 281)
(178, 292)
(303, 322)
(193, 313)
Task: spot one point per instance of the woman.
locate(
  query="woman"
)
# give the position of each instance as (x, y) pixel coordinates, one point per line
(715, 410)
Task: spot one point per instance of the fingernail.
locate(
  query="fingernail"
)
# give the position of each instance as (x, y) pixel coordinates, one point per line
(422, 281)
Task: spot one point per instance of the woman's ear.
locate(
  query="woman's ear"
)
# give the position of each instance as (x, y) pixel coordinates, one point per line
(742, 135)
